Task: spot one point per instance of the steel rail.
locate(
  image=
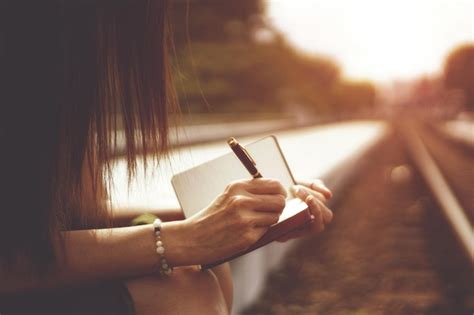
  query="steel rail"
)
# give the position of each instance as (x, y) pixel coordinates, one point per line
(444, 195)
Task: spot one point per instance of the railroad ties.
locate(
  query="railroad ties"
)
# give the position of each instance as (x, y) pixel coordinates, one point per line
(391, 248)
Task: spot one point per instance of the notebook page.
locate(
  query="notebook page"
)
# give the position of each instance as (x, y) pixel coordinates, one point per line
(197, 187)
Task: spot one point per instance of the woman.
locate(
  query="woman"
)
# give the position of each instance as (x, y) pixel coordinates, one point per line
(72, 73)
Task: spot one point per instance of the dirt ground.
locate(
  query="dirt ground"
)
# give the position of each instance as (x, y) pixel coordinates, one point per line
(388, 251)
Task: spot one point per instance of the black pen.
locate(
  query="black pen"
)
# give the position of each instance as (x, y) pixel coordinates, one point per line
(244, 157)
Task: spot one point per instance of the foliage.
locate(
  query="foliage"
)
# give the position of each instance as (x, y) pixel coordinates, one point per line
(353, 97)
(459, 72)
(225, 68)
(214, 20)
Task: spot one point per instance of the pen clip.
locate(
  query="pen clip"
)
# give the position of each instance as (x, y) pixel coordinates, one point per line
(248, 155)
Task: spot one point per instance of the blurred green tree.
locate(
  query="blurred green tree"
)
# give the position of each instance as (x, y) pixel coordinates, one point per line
(214, 20)
(227, 65)
(353, 97)
(459, 72)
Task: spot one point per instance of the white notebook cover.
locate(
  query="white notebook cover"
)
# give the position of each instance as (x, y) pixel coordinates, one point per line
(197, 187)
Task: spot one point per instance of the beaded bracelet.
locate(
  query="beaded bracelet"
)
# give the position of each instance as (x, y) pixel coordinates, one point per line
(165, 269)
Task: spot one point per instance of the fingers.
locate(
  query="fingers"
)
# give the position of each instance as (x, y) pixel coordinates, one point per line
(261, 203)
(317, 185)
(327, 213)
(264, 219)
(322, 214)
(303, 192)
(270, 203)
(320, 187)
(266, 186)
(318, 223)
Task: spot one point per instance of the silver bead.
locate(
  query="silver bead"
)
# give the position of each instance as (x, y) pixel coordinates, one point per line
(159, 243)
(157, 223)
(160, 250)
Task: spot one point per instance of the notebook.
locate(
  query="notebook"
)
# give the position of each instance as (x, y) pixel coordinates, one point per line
(197, 187)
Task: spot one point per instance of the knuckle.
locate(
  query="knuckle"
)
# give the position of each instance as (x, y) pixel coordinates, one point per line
(302, 193)
(237, 201)
(225, 195)
(228, 188)
(234, 186)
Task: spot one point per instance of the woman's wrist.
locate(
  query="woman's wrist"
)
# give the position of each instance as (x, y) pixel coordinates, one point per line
(177, 236)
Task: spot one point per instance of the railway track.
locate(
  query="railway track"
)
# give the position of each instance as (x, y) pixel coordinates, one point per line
(448, 175)
(395, 246)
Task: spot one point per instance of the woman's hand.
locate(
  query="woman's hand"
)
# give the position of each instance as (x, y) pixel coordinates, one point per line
(231, 223)
(315, 194)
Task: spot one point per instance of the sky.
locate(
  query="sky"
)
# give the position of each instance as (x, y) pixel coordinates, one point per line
(377, 40)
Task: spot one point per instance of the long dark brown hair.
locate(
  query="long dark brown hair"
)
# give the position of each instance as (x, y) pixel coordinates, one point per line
(74, 74)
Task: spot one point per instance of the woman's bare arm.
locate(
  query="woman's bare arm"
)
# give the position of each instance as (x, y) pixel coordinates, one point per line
(93, 255)
(236, 219)
(123, 217)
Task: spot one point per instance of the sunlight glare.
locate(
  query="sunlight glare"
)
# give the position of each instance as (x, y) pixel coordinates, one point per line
(377, 40)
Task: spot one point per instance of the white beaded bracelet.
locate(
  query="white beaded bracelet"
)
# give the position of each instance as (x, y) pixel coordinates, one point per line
(165, 269)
